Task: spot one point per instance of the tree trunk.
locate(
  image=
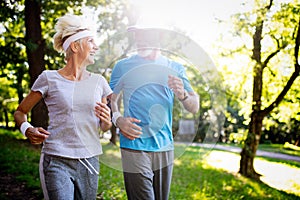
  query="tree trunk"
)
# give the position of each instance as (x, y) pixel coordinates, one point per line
(255, 127)
(6, 117)
(35, 46)
(254, 130)
(251, 144)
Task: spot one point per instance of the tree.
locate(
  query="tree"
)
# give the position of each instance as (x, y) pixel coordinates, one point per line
(12, 57)
(261, 58)
(25, 41)
(35, 49)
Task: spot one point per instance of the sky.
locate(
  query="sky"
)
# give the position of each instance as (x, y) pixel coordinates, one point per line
(198, 18)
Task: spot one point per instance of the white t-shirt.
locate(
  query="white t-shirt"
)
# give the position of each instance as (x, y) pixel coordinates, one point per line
(73, 124)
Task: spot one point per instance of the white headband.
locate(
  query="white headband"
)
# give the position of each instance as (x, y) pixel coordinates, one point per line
(77, 36)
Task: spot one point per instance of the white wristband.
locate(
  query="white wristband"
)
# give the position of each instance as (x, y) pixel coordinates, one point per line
(24, 127)
(115, 116)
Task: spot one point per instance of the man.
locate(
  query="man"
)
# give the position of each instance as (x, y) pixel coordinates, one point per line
(149, 81)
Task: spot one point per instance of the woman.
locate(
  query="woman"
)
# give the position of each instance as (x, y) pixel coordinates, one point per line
(76, 100)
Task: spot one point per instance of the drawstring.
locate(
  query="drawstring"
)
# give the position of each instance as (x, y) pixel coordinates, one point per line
(87, 167)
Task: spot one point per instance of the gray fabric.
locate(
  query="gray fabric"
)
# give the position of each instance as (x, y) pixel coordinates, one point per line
(147, 175)
(73, 125)
(69, 179)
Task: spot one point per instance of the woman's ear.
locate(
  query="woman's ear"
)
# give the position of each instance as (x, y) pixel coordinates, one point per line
(74, 46)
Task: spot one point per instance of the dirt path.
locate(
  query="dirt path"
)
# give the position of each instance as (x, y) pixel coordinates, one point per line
(10, 188)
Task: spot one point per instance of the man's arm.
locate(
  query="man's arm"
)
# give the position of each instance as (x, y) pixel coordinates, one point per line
(190, 100)
(126, 124)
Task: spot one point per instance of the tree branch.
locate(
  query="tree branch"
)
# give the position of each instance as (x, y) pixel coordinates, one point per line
(257, 37)
(265, 63)
(270, 5)
(296, 53)
(293, 77)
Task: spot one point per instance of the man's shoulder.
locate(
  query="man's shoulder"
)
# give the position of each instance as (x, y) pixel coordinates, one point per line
(127, 59)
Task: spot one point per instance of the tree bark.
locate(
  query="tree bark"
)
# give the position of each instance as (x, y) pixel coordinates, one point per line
(35, 46)
(255, 127)
(6, 118)
(251, 144)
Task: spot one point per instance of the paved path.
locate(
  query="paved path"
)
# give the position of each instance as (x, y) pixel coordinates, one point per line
(258, 153)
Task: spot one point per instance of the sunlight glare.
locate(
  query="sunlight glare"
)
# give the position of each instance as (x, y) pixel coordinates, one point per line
(276, 175)
(200, 20)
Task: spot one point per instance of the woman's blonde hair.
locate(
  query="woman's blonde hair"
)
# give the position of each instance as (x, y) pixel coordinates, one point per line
(68, 25)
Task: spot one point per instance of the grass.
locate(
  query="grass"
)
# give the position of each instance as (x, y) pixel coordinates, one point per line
(20, 158)
(285, 148)
(198, 173)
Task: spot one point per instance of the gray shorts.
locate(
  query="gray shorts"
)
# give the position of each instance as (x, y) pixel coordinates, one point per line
(68, 179)
(147, 175)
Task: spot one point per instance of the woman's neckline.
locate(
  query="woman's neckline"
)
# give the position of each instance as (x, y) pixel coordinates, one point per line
(88, 76)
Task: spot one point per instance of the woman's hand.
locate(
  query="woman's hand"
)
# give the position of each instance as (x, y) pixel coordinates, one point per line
(36, 135)
(102, 111)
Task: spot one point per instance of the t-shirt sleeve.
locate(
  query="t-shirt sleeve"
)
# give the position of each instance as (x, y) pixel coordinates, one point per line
(41, 84)
(115, 78)
(106, 88)
(186, 83)
(184, 78)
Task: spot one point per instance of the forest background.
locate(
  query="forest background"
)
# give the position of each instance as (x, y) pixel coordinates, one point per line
(256, 57)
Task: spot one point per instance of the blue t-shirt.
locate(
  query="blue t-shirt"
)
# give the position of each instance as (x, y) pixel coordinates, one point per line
(147, 97)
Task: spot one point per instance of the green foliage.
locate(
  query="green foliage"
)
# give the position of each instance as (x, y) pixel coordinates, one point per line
(291, 147)
(8, 102)
(193, 176)
(238, 137)
(114, 16)
(279, 29)
(13, 58)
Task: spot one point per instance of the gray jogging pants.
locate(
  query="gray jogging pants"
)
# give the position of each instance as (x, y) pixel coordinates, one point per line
(147, 175)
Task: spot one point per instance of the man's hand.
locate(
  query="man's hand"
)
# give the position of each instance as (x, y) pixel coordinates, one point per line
(128, 127)
(176, 85)
(36, 135)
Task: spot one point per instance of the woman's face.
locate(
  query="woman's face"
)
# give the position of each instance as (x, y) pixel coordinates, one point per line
(89, 49)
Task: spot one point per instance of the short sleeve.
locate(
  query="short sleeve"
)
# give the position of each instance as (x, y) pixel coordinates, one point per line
(41, 84)
(186, 82)
(115, 78)
(106, 88)
(183, 76)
